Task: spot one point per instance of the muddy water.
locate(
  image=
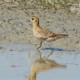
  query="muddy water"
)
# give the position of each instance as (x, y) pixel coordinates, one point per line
(16, 60)
(18, 45)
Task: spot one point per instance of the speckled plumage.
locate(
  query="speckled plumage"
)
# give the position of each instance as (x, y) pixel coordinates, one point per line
(43, 33)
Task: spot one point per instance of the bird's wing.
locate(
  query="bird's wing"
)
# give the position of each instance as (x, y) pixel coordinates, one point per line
(45, 33)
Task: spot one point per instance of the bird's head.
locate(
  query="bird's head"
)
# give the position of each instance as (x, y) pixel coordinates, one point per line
(34, 20)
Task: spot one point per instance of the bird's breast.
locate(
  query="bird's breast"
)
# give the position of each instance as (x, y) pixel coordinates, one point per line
(36, 32)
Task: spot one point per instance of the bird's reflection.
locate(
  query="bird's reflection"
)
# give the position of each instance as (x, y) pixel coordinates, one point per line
(37, 54)
(41, 65)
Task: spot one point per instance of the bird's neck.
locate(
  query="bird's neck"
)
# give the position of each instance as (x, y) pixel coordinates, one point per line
(36, 24)
(32, 76)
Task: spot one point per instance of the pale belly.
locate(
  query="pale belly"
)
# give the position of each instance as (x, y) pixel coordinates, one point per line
(36, 34)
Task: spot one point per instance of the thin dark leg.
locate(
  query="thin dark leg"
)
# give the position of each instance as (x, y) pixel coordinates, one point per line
(40, 53)
(39, 45)
(50, 53)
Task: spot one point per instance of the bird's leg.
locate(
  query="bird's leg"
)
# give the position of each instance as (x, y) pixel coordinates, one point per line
(50, 53)
(39, 45)
(50, 47)
(38, 52)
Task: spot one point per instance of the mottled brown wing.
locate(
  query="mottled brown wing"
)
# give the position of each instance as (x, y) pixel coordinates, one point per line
(45, 33)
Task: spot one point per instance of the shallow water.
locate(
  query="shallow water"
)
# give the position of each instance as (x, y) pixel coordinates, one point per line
(71, 72)
(16, 59)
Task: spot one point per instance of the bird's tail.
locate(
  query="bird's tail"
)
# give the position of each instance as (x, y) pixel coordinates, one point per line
(60, 35)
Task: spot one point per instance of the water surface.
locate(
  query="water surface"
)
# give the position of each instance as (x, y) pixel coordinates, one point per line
(16, 60)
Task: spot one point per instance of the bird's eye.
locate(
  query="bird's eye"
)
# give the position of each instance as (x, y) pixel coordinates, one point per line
(32, 18)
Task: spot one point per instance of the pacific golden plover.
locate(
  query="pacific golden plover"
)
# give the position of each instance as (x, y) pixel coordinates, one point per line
(43, 33)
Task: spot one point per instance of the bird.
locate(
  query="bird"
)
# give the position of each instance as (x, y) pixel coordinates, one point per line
(43, 64)
(44, 33)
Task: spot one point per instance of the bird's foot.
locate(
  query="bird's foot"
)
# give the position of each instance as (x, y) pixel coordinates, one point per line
(39, 45)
